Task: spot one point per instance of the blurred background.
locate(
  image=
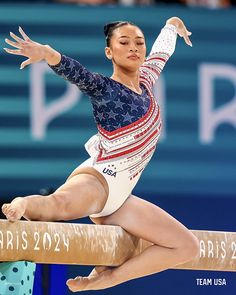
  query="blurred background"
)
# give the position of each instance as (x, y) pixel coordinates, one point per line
(44, 121)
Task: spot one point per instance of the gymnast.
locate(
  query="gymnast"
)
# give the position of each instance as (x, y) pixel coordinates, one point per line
(129, 124)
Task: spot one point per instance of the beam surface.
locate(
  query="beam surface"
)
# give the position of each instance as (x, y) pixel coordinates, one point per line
(89, 244)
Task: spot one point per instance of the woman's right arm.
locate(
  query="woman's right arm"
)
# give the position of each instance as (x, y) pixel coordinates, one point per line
(66, 67)
(34, 51)
(70, 69)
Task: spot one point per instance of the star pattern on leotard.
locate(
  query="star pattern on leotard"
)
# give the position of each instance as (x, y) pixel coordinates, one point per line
(109, 90)
(134, 107)
(61, 68)
(111, 114)
(118, 104)
(128, 117)
(76, 75)
(98, 92)
(99, 116)
(71, 64)
(114, 104)
(101, 103)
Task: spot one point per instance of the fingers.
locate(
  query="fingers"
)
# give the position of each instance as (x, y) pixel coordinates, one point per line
(185, 34)
(14, 44)
(25, 63)
(186, 37)
(18, 44)
(23, 34)
(187, 40)
(16, 37)
(18, 51)
(13, 51)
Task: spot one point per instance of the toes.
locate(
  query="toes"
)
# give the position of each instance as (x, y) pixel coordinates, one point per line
(72, 282)
(11, 217)
(77, 284)
(10, 214)
(4, 208)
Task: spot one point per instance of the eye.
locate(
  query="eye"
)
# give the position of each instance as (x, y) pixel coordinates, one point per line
(140, 43)
(124, 43)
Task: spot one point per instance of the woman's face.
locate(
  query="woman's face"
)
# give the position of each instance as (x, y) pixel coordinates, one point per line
(127, 47)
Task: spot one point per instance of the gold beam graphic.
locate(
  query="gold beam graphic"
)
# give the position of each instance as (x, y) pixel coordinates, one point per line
(88, 244)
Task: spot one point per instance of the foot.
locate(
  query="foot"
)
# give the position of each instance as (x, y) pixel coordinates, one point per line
(99, 278)
(14, 210)
(98, 270)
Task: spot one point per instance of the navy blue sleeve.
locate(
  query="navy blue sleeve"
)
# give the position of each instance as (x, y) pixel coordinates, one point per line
(90, 83)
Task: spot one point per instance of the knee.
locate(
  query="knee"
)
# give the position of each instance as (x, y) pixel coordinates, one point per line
(59, 203)
(104, 220)
(190, 247)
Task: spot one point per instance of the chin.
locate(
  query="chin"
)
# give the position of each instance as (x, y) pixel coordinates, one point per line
(132, 67)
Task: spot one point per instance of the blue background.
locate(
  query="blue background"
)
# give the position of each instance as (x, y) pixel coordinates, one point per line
(191, 179)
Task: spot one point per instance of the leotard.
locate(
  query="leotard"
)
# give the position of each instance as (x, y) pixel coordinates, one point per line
(128, 123)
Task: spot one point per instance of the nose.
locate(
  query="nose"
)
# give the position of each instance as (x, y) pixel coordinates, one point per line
(133, 48)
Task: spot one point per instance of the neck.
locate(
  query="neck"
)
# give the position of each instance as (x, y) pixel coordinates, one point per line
(129, 79)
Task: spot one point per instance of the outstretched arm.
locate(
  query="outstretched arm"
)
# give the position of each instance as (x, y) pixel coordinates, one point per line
(162, 49)
(62, 65)
(34, 51)
(181, 29)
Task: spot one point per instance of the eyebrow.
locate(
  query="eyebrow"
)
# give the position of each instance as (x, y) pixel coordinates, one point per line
(129, 37)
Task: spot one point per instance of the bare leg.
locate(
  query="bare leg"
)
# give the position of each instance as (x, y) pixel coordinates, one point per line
(173, 244)
(80, 196)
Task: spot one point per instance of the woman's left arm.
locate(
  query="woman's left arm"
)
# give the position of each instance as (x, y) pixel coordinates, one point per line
(181, 29)
(162, 49)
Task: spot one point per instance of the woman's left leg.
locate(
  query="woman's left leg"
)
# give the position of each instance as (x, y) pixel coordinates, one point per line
(173, 244)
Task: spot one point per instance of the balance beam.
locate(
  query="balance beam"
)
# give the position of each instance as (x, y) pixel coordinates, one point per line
(89, 244)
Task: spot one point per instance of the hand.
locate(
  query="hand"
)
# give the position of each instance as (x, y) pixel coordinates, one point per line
(26, 47)
(15, 210)
(181, 29)
(31, 49)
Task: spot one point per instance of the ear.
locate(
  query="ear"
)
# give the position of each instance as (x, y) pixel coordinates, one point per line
(108, 52)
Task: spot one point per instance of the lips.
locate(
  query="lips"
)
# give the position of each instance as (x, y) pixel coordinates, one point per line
(133, 56)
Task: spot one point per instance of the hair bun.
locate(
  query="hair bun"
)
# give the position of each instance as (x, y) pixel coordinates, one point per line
(108, 26)
(106, 29)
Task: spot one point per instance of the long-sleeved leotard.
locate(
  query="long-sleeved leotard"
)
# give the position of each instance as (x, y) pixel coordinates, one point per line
(128, 123)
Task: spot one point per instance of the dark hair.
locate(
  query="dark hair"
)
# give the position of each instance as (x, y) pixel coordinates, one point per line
(109, 29)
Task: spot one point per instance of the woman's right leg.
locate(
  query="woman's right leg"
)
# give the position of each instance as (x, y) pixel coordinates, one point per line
(80, 196)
